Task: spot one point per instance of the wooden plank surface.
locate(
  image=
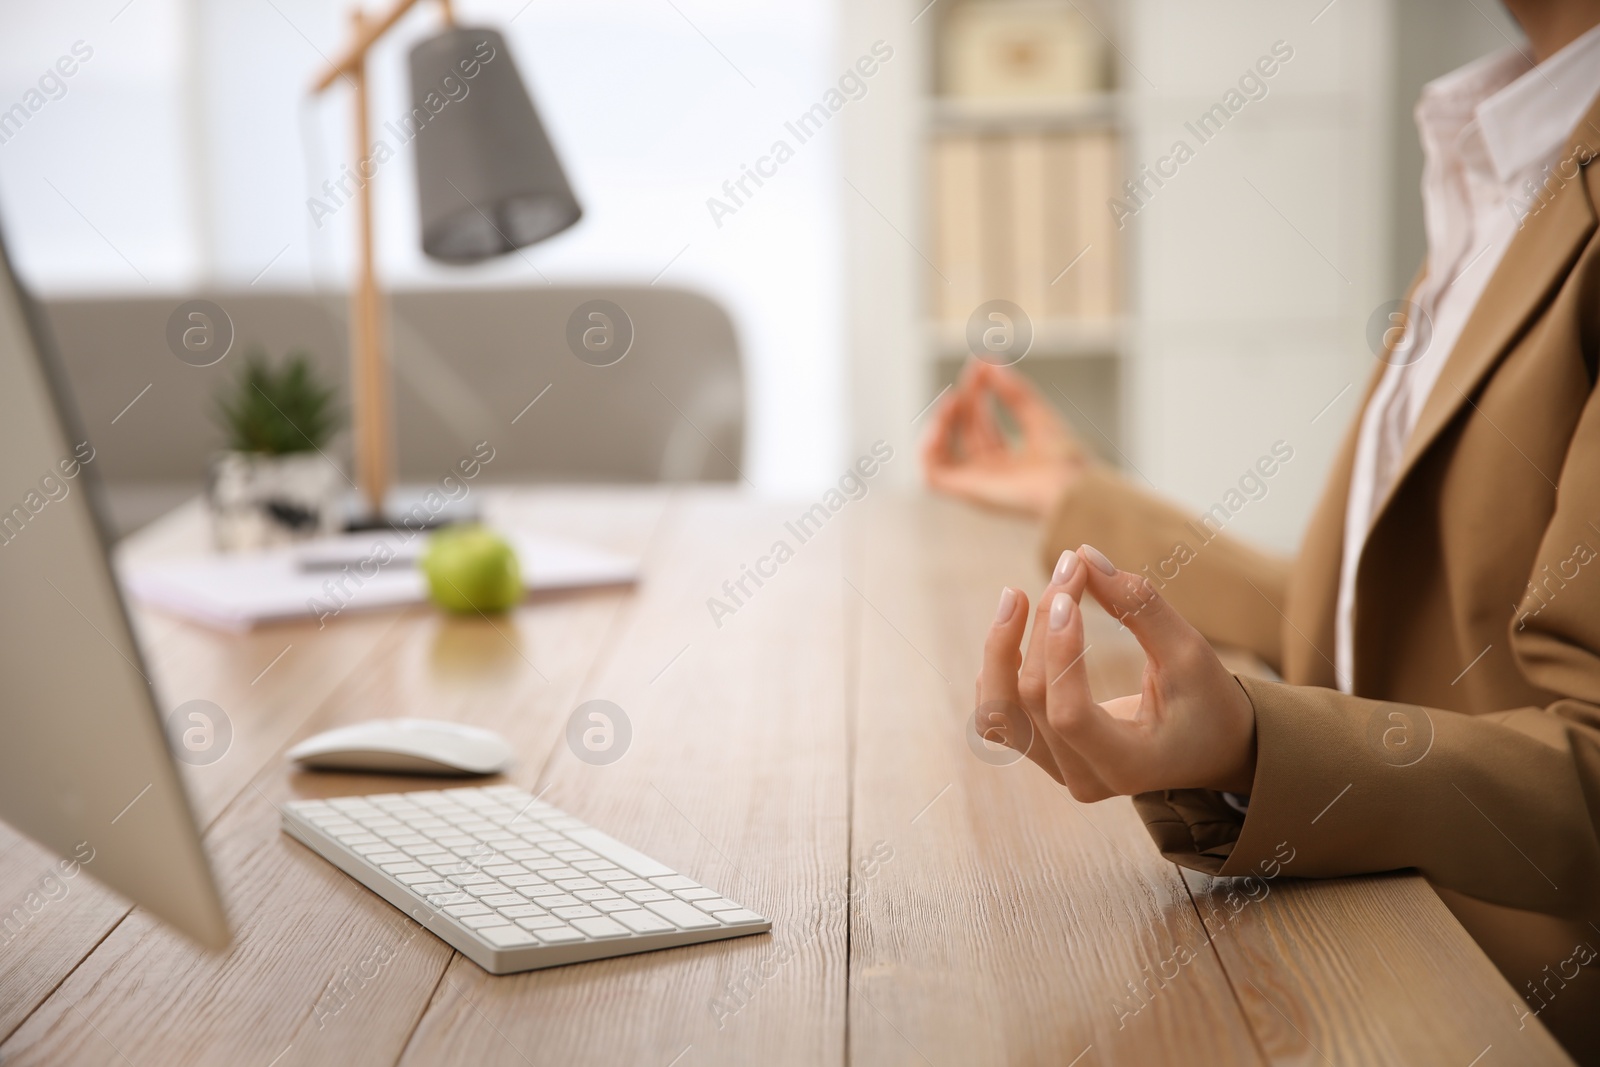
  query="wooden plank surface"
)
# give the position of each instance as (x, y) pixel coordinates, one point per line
(267, 683)
(145, 995)
(736, 775)
(1013, 925)
(1337, 971)
(808, 757)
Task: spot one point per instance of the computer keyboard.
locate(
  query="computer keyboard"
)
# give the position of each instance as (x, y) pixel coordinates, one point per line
(511, 882)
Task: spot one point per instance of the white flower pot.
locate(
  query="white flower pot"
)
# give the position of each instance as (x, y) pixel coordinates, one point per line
(259, 501)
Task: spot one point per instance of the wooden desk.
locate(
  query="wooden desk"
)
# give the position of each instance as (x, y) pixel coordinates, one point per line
(818, 730)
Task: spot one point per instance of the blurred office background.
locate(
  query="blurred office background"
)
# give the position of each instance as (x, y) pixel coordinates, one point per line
(1229, 312)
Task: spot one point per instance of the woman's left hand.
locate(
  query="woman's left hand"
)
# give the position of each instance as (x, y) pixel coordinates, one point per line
(1191, 726)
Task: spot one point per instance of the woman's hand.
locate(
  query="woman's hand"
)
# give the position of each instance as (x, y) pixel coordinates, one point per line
(967, 454)
(1192, 726)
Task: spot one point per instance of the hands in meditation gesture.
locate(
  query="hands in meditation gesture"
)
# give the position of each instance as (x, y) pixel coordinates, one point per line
(1191, 724)
(968, 455)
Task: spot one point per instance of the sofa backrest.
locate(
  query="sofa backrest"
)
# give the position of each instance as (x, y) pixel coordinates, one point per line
(466, 364)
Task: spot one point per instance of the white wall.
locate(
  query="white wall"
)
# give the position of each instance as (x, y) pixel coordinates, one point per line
(1257, 265)
(187, 142)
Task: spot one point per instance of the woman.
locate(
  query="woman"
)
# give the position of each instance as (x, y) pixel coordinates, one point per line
(1439, 631)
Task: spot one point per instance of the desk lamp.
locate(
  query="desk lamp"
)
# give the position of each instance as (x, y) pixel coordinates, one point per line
(488, 182)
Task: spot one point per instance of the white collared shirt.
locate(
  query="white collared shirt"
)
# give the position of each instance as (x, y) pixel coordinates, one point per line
(1489, 132)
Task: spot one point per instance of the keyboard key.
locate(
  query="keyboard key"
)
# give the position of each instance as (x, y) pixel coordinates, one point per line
(592, 895)
(612, 874)
(520, 911)
(502, 900)
(402, 840)
(500, 870)
(427, 853)
(580, 911)
(432, 889)
(517, 881)
(475, 878)
(507, 936)
(529, 853)
(555, 874)
(573, 855)
(373, 849)
(463, 910)
(557, 935)
(356, 839)
(421, 876)
(541, 922)
(620, 854)
(739, 916)
(644, 896)
(486, 889)
(613, 905)
(642, 922)
(680, 914)
(632, 883)
(571, 884)
(478, 921)
(440, 900)
(537, 891)
(697, 893)
(715, 904)
(675, 882)
(590, 866)
(406, 867)
(601, 927)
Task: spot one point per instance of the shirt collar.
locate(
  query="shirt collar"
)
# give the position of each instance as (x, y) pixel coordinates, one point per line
(1448, 104)
(1529, 120)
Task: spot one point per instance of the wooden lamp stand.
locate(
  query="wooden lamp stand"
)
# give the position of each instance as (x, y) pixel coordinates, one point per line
(372, 422)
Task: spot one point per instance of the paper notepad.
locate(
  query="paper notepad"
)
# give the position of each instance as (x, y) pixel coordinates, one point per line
(344, 574)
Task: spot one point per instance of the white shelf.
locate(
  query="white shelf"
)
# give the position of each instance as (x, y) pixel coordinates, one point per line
(1052, 339)
(951, 114)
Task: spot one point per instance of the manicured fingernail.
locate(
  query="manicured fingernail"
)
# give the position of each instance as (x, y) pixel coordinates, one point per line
(1066, 565)
(1008, 604)
(1060, 611)
(1098, 558)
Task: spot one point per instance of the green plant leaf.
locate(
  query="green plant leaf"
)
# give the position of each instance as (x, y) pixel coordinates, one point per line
(278, 410)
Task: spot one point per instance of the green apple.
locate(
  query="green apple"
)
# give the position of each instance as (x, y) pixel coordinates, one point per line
(469, 569)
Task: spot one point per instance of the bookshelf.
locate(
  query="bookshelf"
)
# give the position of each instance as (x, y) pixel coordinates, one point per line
(1022, 146)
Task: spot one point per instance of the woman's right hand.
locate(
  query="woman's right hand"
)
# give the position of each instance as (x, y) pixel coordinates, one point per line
(968, 455)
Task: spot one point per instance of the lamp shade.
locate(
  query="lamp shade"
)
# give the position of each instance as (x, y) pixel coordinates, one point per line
(488, 180)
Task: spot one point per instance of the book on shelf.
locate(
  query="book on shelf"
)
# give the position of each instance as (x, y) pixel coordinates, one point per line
(1024, 217)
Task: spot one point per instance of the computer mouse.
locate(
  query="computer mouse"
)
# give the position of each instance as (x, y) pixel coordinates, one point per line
(405, 746)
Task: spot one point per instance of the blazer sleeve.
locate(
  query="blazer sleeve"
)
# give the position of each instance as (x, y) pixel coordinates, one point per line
(1502, 807)
(1232, 593)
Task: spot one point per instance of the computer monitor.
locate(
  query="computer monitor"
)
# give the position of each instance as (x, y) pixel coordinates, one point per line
(85, 767)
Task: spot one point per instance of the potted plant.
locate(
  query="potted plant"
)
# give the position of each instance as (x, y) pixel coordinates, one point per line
(275, 483)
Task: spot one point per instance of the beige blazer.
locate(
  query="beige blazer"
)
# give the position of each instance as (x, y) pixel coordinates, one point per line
(1471, 751)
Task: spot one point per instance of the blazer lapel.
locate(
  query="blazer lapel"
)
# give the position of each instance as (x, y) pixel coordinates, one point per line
(1539, 258)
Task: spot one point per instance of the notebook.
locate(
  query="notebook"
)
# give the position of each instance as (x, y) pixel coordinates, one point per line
(353, 572)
